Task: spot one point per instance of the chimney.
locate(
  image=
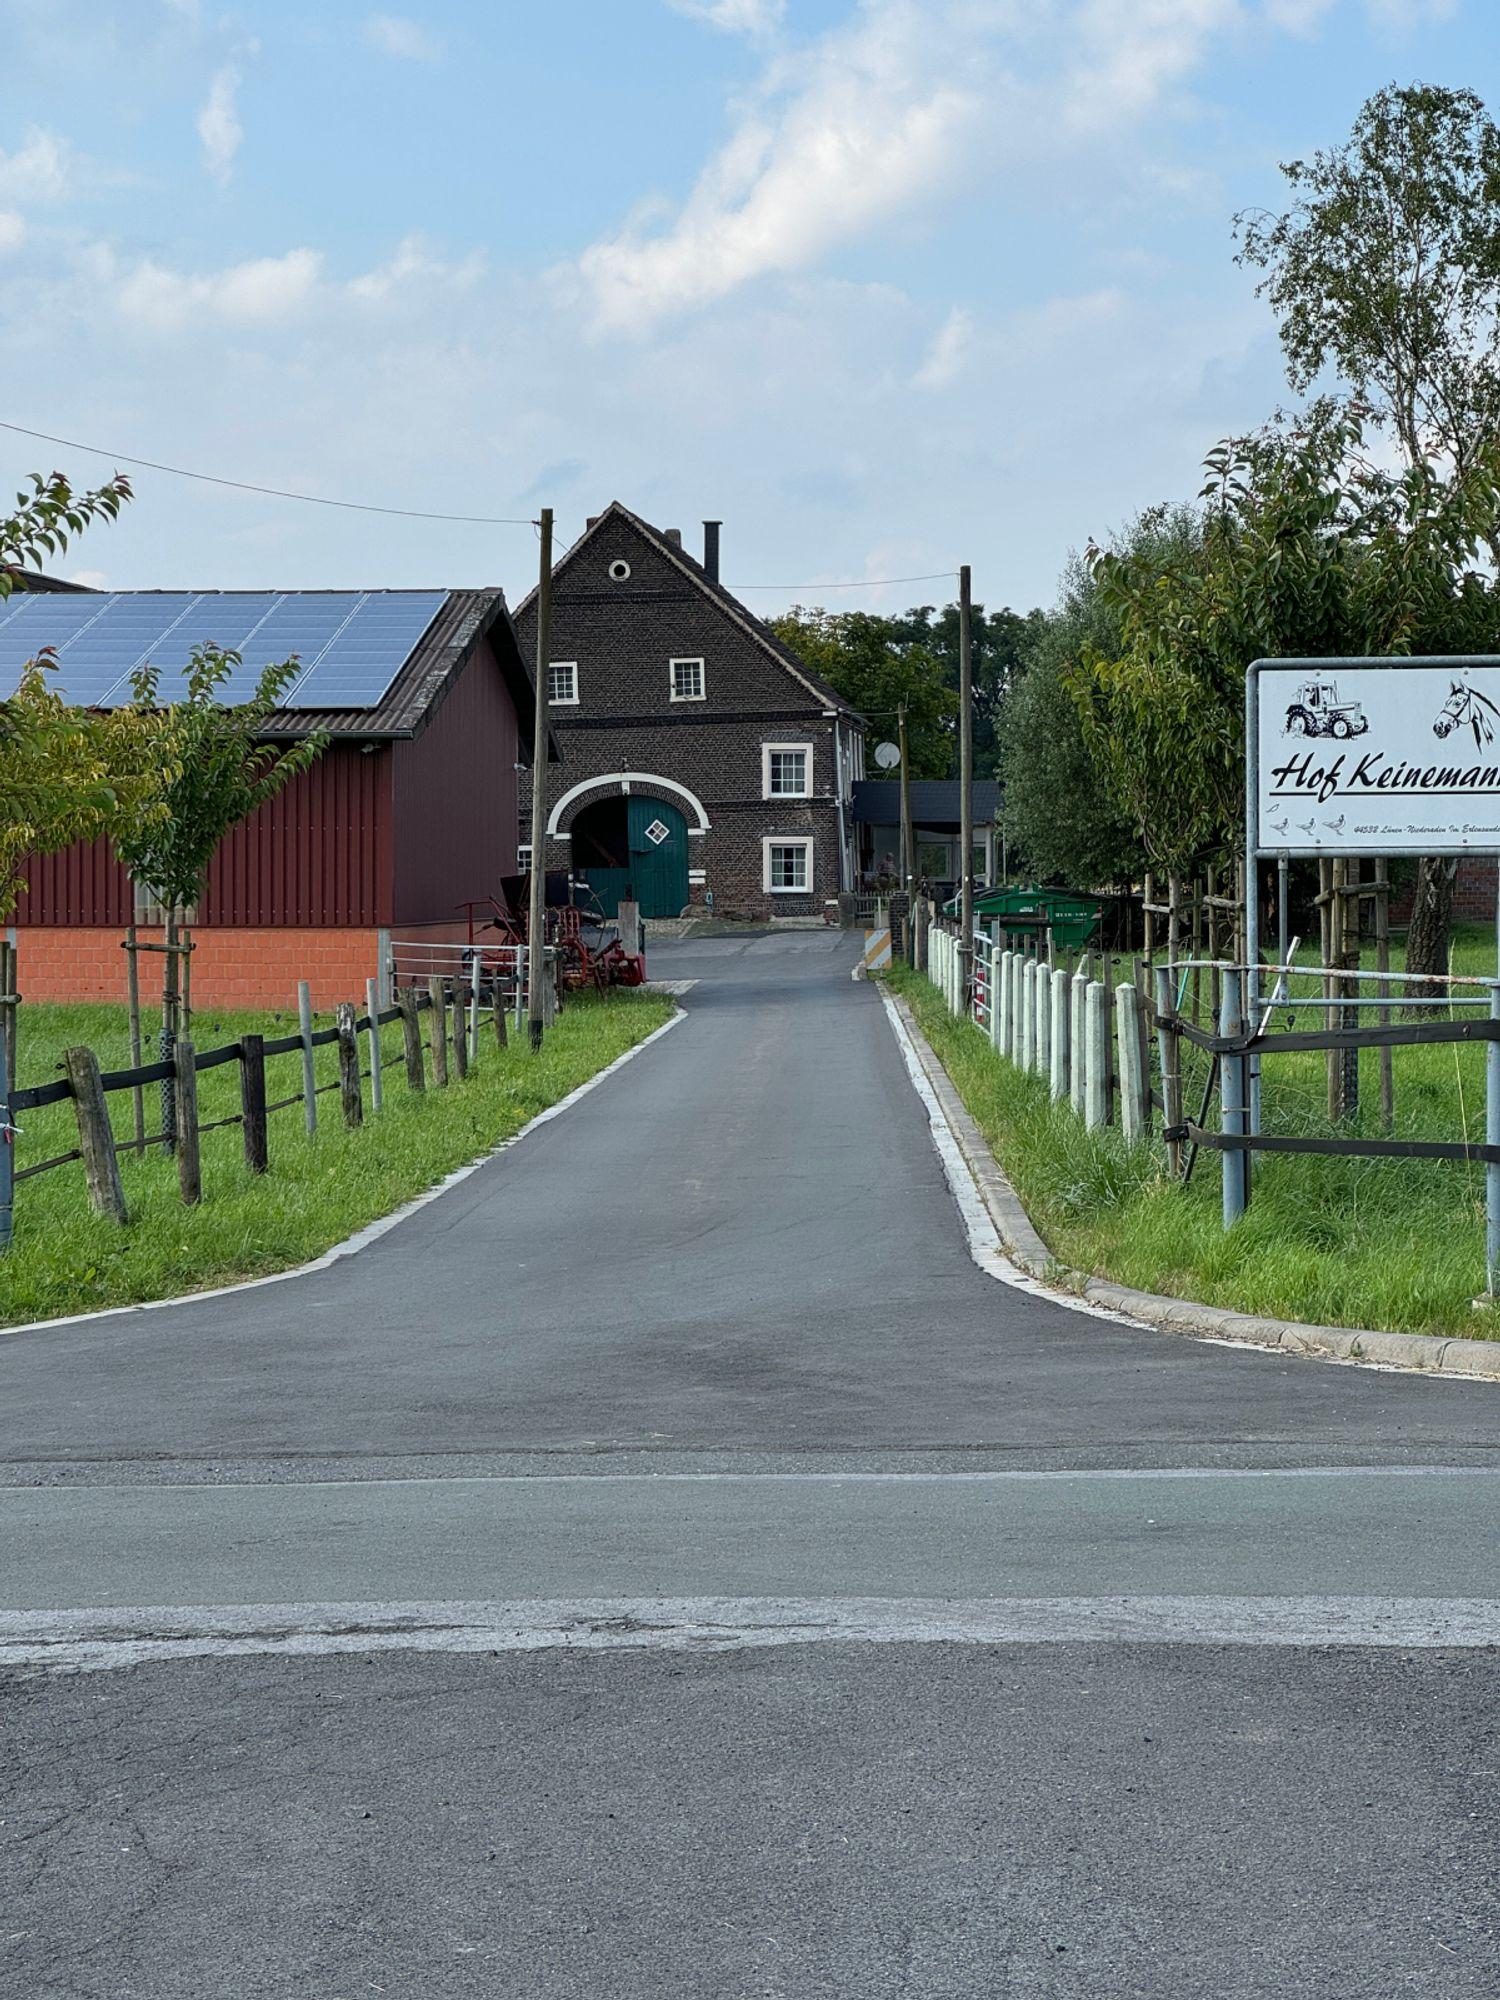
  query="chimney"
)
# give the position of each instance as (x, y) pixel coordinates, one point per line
(674, 536)
(711, 549)
(592, 521)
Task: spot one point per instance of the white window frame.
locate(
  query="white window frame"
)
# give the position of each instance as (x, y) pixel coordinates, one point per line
(523, 857)
(691, 661)
(766, 752)
(562, 700)
(771, 841)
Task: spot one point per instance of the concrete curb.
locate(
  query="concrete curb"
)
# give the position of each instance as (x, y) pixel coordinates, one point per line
(1424, 1353)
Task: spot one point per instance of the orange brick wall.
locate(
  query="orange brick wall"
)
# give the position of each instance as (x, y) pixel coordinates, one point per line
(231, 968)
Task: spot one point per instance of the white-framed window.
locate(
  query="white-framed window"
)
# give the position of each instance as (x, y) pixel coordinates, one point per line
(562, 682)
(786, 770)
(787, 866)
(686, 679)
(619, 571)
(523, 858)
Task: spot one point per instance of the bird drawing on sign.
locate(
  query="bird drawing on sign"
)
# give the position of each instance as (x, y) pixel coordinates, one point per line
(1308, 826)
(1279, 825)
(1337, 825)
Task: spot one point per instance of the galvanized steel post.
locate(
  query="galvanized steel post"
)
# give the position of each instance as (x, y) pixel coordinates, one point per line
(1233, 1109)
(1492, 1138)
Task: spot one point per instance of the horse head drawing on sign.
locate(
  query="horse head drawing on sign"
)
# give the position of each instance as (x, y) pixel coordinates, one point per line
(1467, 704)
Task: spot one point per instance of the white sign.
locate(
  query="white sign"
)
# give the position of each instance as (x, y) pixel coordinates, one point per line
(1375, 759)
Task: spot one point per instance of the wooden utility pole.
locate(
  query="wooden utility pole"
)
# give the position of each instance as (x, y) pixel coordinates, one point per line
(908, 859)
(965, 779)
(536, 970)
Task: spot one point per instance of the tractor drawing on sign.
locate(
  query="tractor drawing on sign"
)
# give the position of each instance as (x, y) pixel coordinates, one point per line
(1317, 711)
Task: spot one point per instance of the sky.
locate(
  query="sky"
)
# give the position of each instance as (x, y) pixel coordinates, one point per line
(885, 285)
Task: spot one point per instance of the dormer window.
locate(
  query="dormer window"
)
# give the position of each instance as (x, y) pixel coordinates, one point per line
(562, 683)
(687, 680)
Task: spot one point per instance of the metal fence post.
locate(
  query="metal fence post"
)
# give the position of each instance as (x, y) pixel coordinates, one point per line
(1167, 1047)
(1096, 1055)
(309, 1087)
(1061, 1044)
(1492, 1138)
(1232, 1107)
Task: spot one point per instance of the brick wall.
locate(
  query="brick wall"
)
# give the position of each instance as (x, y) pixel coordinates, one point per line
(231, 968)
(1474, 892)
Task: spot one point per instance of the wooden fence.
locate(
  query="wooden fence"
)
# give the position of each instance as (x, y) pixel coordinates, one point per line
(457, 1005)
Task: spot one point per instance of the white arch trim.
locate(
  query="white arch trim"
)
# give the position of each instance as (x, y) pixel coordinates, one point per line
(622, 781)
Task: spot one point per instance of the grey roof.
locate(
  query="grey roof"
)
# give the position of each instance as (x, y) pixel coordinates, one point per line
(934, 801)
(743, 616)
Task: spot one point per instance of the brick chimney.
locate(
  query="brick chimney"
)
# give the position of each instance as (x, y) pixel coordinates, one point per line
(674, 536)
(711, 548)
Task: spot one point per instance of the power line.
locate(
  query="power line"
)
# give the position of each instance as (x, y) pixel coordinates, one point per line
(273, 492)
(856, 583)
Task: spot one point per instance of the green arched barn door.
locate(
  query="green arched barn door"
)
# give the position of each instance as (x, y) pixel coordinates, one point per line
(658, 856)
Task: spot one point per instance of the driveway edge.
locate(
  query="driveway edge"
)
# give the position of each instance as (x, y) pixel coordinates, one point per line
(1424, 1353)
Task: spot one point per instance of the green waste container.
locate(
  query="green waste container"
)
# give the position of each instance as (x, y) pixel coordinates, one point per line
(1073, 918)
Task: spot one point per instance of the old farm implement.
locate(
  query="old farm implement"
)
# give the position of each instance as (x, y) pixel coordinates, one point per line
(591, 948)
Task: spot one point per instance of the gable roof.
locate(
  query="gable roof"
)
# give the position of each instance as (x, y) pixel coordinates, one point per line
(463, 620)
(754, 628)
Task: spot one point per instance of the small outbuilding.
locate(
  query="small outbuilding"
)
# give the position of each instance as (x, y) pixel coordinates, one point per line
(410, 813)
(936, 805)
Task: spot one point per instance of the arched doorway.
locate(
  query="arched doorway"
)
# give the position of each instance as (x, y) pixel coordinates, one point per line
(632, 846)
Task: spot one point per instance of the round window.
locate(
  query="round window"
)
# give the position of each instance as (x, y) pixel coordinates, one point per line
(619, 572)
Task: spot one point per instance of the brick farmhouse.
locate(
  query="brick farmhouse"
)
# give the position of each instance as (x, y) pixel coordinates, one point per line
(702, 762)
(411, 811)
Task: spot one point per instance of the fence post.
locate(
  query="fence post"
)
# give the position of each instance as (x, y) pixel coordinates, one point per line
(437, 993)
(1028, 1011)
(309, 1088)
(460, 1032)
(253, 1101)
(189, 1161)
(998, 983)
(1168, 1056)
(1061, 1045)
(1492, 1138)
(497, 995)
(411, 1037)
(7, 1144)
(348, 1048)
(1096, 1057)
(1078, 1055)
(96, 1140)
(474, 1007)
(372, 1008)
(1041, 1034)
(1232, 1102)
(1132, 1074)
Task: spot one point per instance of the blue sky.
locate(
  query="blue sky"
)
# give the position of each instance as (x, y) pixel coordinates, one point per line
(887, 286)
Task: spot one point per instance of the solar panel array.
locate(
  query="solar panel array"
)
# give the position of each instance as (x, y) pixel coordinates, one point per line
(349, 644)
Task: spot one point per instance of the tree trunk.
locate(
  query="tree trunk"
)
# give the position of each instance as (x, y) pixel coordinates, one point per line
(1431, 918)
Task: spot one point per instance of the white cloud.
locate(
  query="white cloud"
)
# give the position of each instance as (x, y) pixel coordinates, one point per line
(12, 230)
(945, 357)
(865, 124)
(40, 169)
(257, 293)
(412, 263)
(218, 121)
(736, 17)
(1131, 52)
(406, 40)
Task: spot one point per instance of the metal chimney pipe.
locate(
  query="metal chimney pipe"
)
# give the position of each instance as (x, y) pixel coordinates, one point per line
(711, 548)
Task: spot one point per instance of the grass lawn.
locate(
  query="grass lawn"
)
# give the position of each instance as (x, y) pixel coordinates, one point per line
(1368, 1243)
(67, 1259)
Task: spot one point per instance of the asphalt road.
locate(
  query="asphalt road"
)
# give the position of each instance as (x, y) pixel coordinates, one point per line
(667, 1564)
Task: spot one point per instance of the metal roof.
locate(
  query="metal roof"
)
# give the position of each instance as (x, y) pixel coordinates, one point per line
(934, 801)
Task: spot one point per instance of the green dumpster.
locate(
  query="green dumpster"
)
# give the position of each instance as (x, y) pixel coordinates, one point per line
(1071, 916)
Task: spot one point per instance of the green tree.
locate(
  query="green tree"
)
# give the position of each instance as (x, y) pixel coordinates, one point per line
(221, 769)
(1305, 550)
(1061, 821)
(1001, 644)
(1386, 270)
(860, 655)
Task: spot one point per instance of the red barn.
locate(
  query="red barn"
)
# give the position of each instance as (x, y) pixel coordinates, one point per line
(409, 813)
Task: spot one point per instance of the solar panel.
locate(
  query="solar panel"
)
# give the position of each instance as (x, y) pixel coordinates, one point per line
(362, 658)
(349, 644)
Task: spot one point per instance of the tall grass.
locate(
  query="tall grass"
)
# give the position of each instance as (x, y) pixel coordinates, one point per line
(66, 1259)
(1369, 1243)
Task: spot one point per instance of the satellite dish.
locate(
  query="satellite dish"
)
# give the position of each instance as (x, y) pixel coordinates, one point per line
(887, 756)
